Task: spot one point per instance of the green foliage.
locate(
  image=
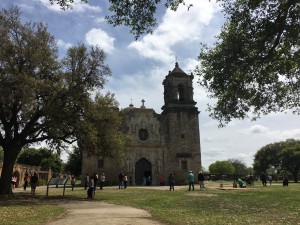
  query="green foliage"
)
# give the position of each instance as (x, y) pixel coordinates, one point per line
(239, 166)
(42, 97)
(221, 167)
(1, 154)
(103, 118)
(74, 163)
(138, 15)
(283, 155)
(253, 68)
(41, 157)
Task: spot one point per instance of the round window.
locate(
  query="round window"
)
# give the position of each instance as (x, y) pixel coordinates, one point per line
(143, 134)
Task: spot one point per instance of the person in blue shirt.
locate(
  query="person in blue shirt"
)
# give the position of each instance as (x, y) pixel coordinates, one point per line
(191, 179)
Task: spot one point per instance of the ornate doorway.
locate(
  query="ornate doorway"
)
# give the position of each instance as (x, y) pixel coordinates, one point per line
(143, 170)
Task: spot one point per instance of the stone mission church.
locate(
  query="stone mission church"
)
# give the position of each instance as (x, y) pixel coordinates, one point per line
(160, 143)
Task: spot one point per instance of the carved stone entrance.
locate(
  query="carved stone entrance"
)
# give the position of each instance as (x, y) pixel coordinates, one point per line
(143, 169)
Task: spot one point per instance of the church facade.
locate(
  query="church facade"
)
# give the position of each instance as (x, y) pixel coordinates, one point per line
(160, 143)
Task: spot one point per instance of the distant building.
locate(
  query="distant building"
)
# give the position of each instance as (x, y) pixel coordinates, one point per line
(161, 143)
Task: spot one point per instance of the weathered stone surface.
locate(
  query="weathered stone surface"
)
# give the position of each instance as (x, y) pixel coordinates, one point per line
(160, 143)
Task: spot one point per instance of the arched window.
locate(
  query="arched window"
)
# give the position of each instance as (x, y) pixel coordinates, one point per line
(180, 92)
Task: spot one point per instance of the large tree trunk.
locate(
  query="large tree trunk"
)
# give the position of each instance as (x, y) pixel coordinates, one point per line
(10, 156)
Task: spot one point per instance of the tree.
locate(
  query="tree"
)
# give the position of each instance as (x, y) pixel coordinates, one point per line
(74, 163)
(41, 157)
(103, 118)
(283, 155)
(265, 157)
(138, 15)
(221, 167)
(1, 154)
(42, 98)
(290, 156)
(239, 166)
(254, 66)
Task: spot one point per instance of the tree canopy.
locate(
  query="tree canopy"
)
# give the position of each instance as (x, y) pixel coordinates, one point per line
(42, 97)
(138, 15)
(74, 163)
(283, 155)
(221, 167)
(41, 157)
(239, 166)
(254, 66)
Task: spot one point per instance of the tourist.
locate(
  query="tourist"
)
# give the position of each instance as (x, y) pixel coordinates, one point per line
(201, 179)
(121, 180)
(148, 181)
(171, 181)
(285, 181)
(125, 180)
(191, 179)
(14, 181)
(26, 178)
(270, 179)
(241, 183)
(263, 179)
(86, 181)
(91, 191)
(96, 178)
(33, 182)
(73, 182)
(161, 180)
(102, 180)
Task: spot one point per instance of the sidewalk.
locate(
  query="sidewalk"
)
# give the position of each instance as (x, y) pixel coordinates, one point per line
(86, 212)
(92, 212)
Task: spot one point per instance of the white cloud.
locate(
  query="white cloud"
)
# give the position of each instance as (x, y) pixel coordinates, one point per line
(258, 129)
(99, 37)
(281, 135)
(180, 27)
(62, 44)
(77, 6)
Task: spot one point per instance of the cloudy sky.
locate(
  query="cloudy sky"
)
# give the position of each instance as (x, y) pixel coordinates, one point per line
(139, 67)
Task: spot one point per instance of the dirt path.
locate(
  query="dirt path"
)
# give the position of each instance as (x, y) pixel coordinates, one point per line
(93, 212)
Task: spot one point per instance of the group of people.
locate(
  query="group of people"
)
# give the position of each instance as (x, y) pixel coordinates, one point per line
(263, 178)
(91, 183)
(30, 179)
(191, 181)
(123, 180)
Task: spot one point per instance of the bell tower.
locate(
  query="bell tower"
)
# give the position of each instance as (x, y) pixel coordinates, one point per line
(180, 125)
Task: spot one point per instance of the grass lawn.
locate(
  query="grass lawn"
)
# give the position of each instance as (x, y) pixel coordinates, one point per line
(256, 205)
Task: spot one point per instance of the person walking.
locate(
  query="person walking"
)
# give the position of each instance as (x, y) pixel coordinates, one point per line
(121, 180)
(102, 180)
(171, 181)
(26, 178)
(86, 181)
(90, 191)
(125, 180)
(96, 178)
(73, 182)
(191, 179)
(33, 182)
(263, 179)
(201, 179)
(161, 180)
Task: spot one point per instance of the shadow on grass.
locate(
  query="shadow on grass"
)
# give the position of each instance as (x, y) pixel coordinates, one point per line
(22, 199)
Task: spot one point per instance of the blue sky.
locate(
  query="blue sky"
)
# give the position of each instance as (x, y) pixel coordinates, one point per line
(139, 67)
